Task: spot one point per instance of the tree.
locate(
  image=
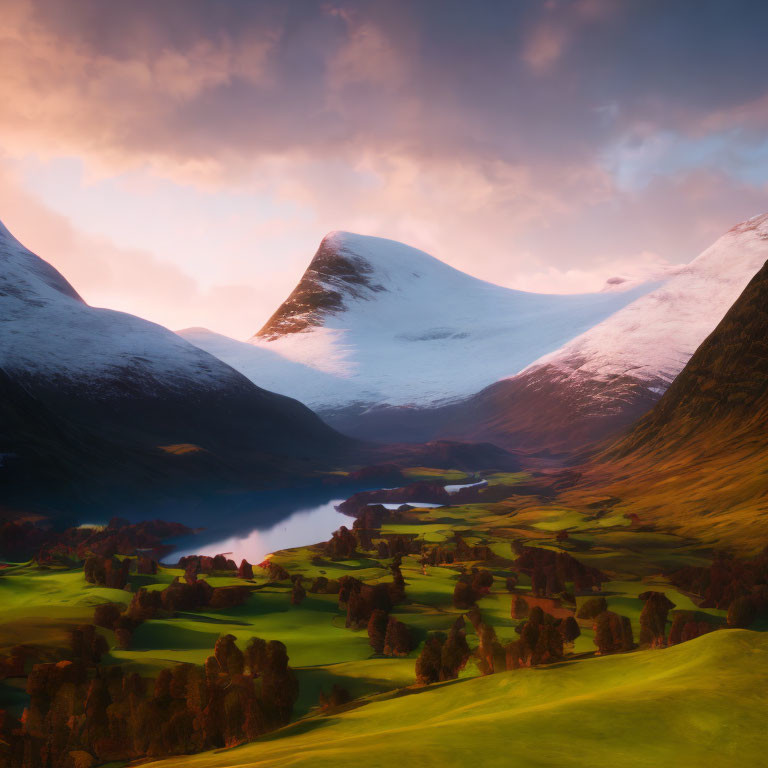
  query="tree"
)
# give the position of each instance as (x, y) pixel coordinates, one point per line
(455, 652)
(569, 629)
(229, 656)
(429, 662)
(741, 613)
(612, 633)
(463, 595)
(653, 619)
(482, 581)
(298, 593)
(397, 640)
(592, 608)
(519, 608)
(377, 629)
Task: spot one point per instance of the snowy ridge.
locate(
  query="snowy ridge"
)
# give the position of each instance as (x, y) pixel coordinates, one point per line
(48, 333)
(385, 323)
(652, 339)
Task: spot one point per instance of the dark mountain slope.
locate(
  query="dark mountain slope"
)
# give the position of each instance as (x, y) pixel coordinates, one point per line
(698, 462)
(113, 401)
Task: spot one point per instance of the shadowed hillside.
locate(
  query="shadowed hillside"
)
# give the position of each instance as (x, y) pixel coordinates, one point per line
(697, 460)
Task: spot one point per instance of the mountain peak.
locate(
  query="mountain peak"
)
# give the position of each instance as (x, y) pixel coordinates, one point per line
(346, 267)
(26, 277)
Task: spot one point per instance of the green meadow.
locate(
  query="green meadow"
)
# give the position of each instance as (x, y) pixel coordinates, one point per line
(699, 703)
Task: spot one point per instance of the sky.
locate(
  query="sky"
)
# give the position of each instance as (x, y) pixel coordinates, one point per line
(181, 160)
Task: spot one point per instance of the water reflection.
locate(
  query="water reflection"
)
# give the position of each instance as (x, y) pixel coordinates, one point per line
(305, 526)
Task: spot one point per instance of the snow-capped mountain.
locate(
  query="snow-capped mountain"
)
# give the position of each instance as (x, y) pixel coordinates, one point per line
(375, 322)
(135, 383)
(601, 381)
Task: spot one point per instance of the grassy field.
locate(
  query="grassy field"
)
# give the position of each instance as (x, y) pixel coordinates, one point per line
(548, 716)
(697, 704)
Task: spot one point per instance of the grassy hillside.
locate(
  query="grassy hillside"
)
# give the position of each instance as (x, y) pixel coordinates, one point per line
(700, 703)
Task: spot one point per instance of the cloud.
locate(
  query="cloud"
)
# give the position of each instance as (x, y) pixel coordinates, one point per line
(131, 280)
(627, 273)
(549, 144)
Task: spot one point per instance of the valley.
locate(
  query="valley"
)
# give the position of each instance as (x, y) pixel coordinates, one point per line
(382, 383)
(45, 599)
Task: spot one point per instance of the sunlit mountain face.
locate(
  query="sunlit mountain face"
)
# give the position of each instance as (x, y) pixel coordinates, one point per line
(383, 382)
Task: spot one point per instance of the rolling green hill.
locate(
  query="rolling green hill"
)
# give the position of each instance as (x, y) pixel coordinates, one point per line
(700, 703)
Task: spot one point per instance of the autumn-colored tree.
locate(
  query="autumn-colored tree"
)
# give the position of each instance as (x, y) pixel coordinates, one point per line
(106, 615)
(463, 595)
(653, 618)
(428, 664)
(397, 640)
(612, 633)
(455, 651)
(569, 629)
(228, 655)
(377, 629)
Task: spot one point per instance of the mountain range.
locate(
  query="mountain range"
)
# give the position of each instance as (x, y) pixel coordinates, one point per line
(387, 343)
(134, 397)
(375, 323)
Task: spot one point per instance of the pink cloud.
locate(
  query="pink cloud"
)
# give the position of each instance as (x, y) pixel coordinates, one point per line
(131, 280)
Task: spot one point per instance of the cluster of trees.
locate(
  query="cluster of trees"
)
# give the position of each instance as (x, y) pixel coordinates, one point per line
(48, 545)
(111, 571)
(739, 586)
(106, 571)
(443, 656)
(542, 640)
(206, 564)
(369, 605)
(397, 545)
(549, 571)
(459, 551)
(613, 633)
(177, 596)
(686, 626)
(345, 543)
(470, 587)
(388, 635)
(82, 714)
